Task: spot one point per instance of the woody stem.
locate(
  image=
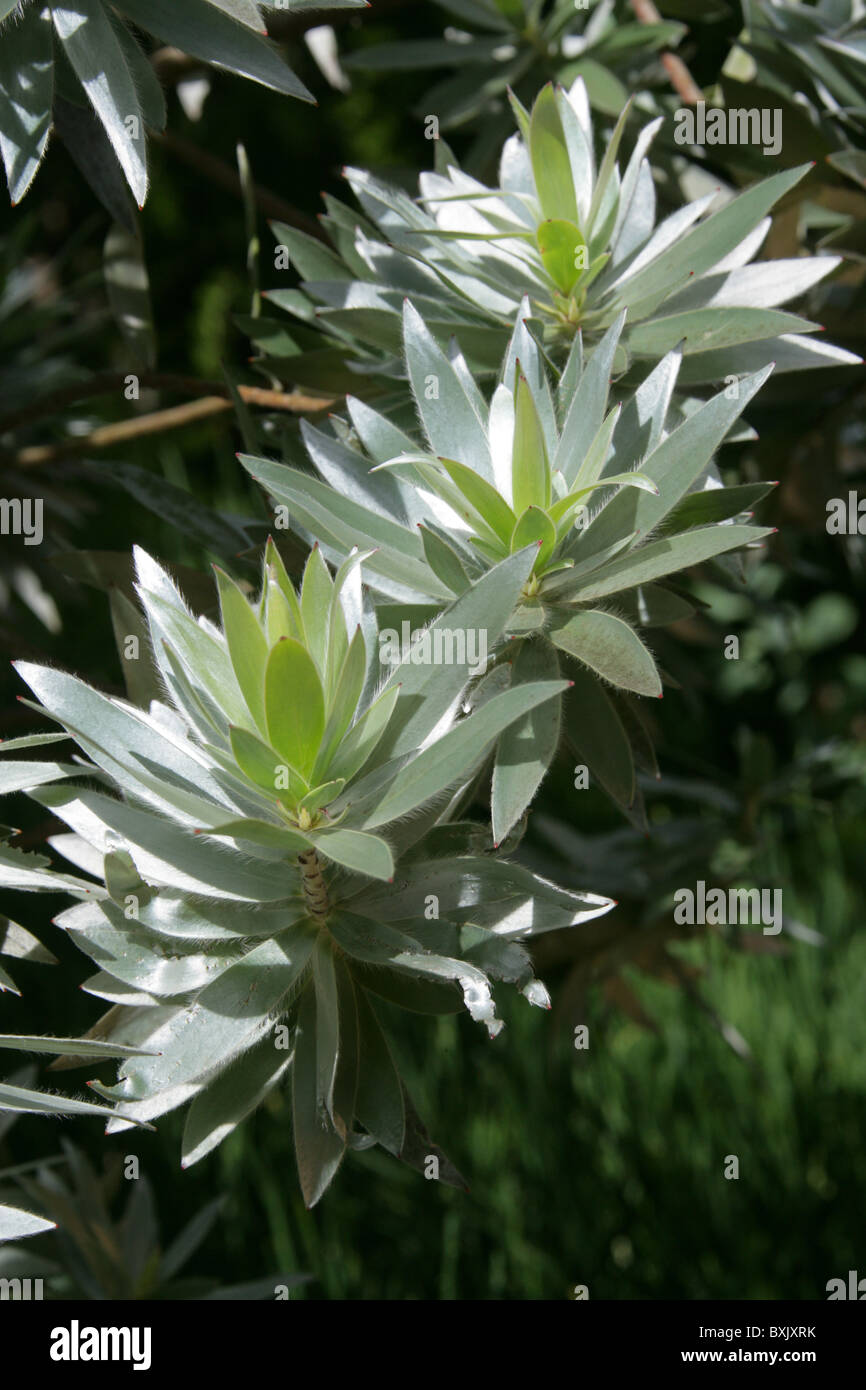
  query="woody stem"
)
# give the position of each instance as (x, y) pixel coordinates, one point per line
(313, 883)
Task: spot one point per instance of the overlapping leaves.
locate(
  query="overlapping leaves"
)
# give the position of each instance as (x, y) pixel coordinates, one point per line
(579, 239)
(84, 54)
(491, 46)
(231, 916)
(613, 501)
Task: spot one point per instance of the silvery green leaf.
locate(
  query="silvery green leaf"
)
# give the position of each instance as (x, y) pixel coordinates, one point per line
(523, 350)
(713, 329)
(659, 558)
(355, 850)
(16, 1224)
(441, 764)
(166, 853)
(227, 1018)
(641, 423)
(30, 874)
(205, 657)
(319, 1149)
(16, 745)
(153, 966)
(375, 943)
(761, 286)
(581, 157)
(20, 944)
(428, 692)
(343, 524)
(611, 648)
(198, 29)
(791, 353)
(491, 892)
(697, 251)
(349, 473)
(596, 734)
(183, 917)
(379, 1103)
(244, 11)
(26, 92)
(526, 749)
(327, 1025)
(450, 420)
(631, 183)
(674, 466)
(380, 437)
(70, 1047)
(114, 991)
(231, 1097)
(26, 1101)
(16, 775)
(588, 406)
(113, 733)
(96, 57)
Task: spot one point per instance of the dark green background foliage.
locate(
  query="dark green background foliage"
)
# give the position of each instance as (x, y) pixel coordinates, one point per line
(601, 1167)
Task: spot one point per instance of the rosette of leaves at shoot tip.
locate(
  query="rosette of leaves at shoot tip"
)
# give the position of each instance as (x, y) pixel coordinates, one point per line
(578, 239)
(502, 44)
(242, 918)
(78, 66)
(612, 505)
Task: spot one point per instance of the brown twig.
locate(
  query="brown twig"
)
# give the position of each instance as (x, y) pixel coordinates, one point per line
(109, 383)
(160, 421)
(224, 176)
(681, 79)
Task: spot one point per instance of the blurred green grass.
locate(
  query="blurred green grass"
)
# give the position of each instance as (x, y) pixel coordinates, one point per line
(605, 1167)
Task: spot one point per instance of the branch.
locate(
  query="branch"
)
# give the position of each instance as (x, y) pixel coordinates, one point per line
(109, 383)
(160, 421)
(681, 79)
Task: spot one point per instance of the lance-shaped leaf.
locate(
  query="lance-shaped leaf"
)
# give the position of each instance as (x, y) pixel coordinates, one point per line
(94, 52)
(530, 472)
(427, 693)
(609, 647)
(162, 852)
(234, 1095)
(248, 647)
(379, 1104)
(327, 1025)
(596, 733)
(294, 704)
(663, 557)
(376, 943)
(16, 1224)
(526, 749)
(504, 897)
(349, 687)
(443, 763)
(451, 421)
(319, 1149)
(71, 1047)
(550, 163)
(26, 92)
(364, 737)
(228, 1017)
(355, 850)
(201, 30)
